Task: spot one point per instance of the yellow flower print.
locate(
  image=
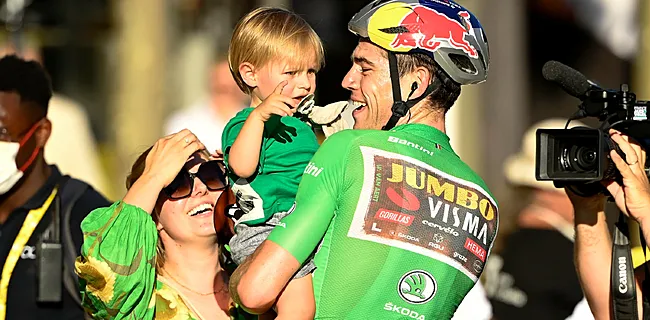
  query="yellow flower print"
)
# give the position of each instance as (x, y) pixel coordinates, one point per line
(152, 301)
(169, 305)
(100, 279)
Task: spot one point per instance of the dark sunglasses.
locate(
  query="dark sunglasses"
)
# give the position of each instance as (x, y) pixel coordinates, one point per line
(211, 173)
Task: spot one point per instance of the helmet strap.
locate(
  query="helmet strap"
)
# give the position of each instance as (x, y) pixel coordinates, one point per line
(400, 108)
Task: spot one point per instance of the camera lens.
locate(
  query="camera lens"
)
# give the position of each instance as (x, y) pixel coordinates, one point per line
(579, 159)
(586, 158)
(582, 158)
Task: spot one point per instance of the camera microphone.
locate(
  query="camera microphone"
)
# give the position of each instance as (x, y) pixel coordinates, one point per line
(569, 79)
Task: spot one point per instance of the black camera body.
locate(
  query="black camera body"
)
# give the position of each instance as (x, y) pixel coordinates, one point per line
(580, 157)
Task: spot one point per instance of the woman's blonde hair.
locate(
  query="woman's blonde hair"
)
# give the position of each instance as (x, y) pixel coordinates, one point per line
(266, 34)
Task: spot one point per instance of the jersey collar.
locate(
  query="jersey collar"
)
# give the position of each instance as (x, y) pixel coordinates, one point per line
(426, 132)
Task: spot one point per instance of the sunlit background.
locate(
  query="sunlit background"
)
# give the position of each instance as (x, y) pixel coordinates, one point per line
(129, 65)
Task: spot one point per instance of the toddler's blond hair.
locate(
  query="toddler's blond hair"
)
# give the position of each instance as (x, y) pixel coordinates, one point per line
(267, 34)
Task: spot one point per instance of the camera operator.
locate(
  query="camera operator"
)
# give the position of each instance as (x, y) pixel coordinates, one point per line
(593, 245)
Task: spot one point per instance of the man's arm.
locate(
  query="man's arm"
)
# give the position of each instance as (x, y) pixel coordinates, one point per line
(593, 245)
(593, 255)
(593, 259)
(258, 281)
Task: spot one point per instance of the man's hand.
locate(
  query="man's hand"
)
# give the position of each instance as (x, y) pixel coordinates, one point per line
(276, 103)
(586, 206)
(586, 209)
(633, 197)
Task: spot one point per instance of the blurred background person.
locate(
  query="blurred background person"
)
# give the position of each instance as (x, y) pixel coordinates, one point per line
(208, 116)
(32, 192)
(475, 306)
(70, 131)
(533, 276)
(582, 311)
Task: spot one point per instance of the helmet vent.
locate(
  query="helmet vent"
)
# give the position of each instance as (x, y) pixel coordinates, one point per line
(463, 63)
(395, 30)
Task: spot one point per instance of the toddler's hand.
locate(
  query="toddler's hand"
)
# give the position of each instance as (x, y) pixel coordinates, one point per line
(276, 103)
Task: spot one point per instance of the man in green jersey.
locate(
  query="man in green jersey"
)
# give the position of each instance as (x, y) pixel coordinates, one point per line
(400, 226)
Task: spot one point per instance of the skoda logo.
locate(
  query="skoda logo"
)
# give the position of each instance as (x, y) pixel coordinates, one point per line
(417, 287)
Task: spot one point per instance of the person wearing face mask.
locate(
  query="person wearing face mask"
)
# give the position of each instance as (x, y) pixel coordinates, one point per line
(40, 210)
(401, 227)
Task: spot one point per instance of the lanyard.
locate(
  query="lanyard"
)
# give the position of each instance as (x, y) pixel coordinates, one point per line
(30, 223)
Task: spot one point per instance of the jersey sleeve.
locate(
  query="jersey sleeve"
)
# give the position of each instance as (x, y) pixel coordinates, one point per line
(116, 268)
(323, 181)
(230, 133)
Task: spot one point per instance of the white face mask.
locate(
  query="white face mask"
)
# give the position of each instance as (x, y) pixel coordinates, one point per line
(9, 173)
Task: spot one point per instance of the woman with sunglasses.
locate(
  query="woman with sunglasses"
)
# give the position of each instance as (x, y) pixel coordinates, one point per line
(155, 253)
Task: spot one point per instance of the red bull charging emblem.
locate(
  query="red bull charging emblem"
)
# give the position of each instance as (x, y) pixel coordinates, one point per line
(429, 29)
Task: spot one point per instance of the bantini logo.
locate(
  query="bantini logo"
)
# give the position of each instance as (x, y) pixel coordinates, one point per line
(417, 287)
(412, 145)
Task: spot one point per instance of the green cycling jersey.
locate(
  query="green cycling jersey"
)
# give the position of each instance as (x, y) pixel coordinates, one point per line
(403, 227)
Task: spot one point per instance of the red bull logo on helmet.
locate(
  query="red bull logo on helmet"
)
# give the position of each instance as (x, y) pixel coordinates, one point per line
(429, 29)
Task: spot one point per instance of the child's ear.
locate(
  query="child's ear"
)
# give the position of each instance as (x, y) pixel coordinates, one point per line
(247, 72)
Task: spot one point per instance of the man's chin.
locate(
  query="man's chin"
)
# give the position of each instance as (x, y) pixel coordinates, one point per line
(359, 126)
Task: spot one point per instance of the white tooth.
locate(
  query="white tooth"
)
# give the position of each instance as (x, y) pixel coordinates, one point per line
(199, 208)
(356, 104)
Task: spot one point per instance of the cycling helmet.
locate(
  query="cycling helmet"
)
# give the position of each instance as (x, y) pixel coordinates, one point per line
(441, 29)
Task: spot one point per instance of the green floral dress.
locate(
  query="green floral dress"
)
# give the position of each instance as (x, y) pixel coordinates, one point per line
(117, 271)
